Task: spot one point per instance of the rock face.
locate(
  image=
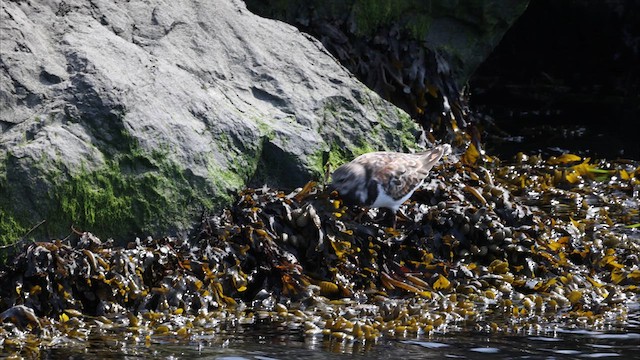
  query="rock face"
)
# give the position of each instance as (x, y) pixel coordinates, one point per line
(130, 118)
(464, 32)
(414, 53)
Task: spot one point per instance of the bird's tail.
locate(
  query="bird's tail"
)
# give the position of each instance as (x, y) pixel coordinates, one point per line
(431, 157)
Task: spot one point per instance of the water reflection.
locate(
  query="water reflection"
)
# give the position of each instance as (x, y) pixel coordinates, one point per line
(282, 344)
(574, 343)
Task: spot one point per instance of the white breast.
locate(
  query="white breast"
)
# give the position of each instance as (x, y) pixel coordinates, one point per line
(386, 201)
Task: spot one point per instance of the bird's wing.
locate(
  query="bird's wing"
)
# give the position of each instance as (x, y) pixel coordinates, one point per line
(398, 173)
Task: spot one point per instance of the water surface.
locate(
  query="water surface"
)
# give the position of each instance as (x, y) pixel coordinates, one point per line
(281, 343)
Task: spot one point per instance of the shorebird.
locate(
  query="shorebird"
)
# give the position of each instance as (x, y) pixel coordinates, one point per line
(384, 179)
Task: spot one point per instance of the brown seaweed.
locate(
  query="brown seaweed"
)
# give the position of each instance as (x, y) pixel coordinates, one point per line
(494, 247)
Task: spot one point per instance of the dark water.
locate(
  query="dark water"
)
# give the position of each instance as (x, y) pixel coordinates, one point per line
(562, 344)
(561, 132)
(568, 83)
(282, 343)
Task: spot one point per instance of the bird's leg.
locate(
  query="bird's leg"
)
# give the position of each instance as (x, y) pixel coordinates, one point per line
(389, 215)
(403, 215)
(358, 217)
(380, 216)
(394, 219)
(398, 214)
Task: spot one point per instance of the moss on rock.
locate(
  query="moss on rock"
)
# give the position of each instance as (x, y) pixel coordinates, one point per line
(134, 193)
(10, 229)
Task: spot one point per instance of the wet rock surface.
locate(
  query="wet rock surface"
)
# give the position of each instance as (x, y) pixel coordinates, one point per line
(530, 246)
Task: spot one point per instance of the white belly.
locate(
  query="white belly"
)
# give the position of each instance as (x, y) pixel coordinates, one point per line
(386, 201)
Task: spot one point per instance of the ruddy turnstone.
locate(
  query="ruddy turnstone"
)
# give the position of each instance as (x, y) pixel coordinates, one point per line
(384, 179)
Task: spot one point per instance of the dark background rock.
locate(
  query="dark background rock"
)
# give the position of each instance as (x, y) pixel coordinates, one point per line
(417, 54)
(131, 118)
(565, 78)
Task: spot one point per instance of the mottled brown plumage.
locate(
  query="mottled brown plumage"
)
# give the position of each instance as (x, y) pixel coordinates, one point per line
(384, 179)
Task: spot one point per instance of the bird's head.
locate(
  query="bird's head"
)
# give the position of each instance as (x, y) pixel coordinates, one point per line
(349, 180)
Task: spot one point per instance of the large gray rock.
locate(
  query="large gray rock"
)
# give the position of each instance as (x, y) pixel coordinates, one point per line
(131, 117)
